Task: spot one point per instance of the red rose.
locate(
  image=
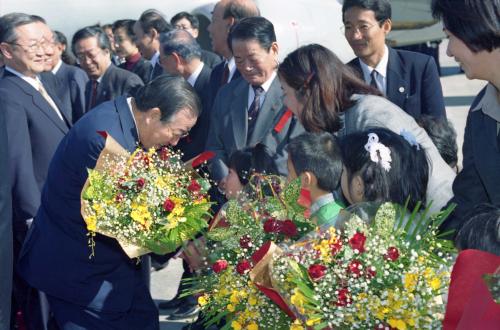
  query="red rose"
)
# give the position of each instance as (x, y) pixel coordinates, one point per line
(194, 186)
(355, 267)
(392, 254)
(316, 272)
(343, 298)
(272, 226)
(119, 197)
(139, 183)
(121, 183)
(336, 247)
(164, 153)
(357, 242)
(243, 267)
(219, 266)
(168, 205)
(245, 241)
(289, 228)
(146, 160)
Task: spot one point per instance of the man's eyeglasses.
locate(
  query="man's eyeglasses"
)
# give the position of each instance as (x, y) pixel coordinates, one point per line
(361, 28)
(91, 54)
(179, 134)
(32, 48)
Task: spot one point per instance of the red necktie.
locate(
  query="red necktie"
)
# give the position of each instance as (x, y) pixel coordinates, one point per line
(93, 97)
(225, 75)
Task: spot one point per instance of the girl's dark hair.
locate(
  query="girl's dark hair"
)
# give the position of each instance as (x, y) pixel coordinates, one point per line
(251, 160)
(407, 177)
(481, 231)
(475, 22)
(323, 84)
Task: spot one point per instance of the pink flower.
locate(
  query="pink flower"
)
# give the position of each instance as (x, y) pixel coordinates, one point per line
(316, 272)
(243, 267)
(168, 205)
(357, 242)
(219, 266)
(392, 254)
(289, 228)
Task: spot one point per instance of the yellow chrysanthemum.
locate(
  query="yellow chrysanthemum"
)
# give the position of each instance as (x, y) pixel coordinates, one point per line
(203, 300)
(435, 283)
(298, 300)
(252, 300)
(252, 326)
(236, 325)
(296, 325)
(230, 307)
(398, 324)
(410, 281)
(313, 321)
(141, 215)
(91, 222)
(99, 209)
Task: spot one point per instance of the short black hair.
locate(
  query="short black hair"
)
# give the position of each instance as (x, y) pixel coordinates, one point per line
(381, 8)
(153, 19)
(475, 22)
(195, 23)
(88, 32)
(127, 25)
(170, 94)
(257, 159)
(444, 136)
(409, 170)
(253, 28)
(66, 57)
(481, 231)
(320, 154)
(182, 43)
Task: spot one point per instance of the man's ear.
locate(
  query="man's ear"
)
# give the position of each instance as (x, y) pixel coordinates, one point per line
(357, 188)
(308, 180)
(230, 22)
(387, 26)
(5, 49)
(154, 34)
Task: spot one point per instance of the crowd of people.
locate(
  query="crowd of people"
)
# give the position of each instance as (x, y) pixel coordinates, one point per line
(373, 129)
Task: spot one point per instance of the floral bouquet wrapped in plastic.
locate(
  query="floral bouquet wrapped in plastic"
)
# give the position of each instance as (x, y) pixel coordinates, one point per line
(149, 201)
(389, 270)
(227, 290)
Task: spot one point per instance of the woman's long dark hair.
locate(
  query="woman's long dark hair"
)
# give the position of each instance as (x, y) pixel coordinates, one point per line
(323, 84)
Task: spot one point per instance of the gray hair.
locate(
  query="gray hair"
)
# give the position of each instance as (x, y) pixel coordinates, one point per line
(182, 43)
(8, 24)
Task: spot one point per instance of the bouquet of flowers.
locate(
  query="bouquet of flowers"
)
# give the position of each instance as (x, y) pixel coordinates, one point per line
(389, 273)
(227, 290)
(148, 200)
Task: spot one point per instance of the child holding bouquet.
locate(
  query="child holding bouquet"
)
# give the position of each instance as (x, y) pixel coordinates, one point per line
(317, 160)
(382, 166)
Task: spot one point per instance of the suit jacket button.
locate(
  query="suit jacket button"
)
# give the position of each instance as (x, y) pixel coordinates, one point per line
(401, 89)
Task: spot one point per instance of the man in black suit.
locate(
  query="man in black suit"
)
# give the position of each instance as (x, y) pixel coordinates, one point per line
(226, 13)
(6, 260)
(180, 54)
(36, 122)
(408, 79)
(190, 23)
(71, 80)
(91, 48)
(126, 47)
(147, 32)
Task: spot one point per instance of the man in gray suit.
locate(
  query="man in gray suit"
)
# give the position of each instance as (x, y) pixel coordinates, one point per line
(249, 110)
(92, 49)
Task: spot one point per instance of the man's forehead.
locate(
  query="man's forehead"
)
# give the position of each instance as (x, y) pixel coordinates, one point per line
(28, 31)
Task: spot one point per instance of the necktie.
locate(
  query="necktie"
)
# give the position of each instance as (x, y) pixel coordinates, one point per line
(373, 81)
(225, 75)
(253, 111)
(93, 96)
(49, 100)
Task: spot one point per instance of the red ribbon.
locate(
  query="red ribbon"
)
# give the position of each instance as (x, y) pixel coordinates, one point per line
(203, 157)
(104, 134)
(283, 120)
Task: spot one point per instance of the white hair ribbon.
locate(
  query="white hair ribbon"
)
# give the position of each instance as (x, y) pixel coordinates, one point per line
(379, 153)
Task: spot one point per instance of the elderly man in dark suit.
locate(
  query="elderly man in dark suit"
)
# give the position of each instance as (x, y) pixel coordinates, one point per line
(92, 49)
(408, 79)
(71, 80)
(147, 30)
(36, 121)
(249, 110)
(106, 291)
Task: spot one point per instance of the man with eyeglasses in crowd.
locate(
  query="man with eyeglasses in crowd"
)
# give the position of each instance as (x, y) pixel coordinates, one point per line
(408, 79)
(190, 23)
(36, 122)
(92, 50)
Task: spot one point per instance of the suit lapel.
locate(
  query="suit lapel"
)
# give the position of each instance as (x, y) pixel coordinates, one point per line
(397, 86)
(239, 116)
(41, 103)
(127, 123)
(271, 106)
